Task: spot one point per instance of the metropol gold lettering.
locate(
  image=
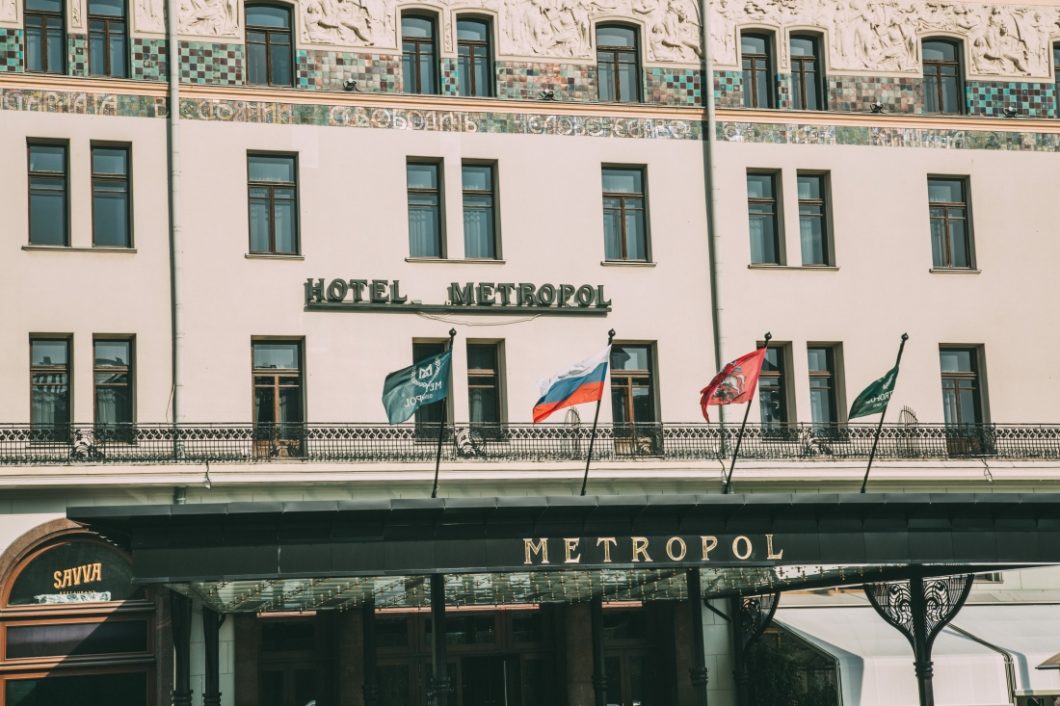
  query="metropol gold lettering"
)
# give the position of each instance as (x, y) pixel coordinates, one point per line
(650, 550)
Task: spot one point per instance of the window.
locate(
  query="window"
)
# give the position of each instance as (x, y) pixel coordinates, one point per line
(273, 190)
(106, 38)
(757, 50)
(950, 238)
(49, 374)
(625, 228)
(807, 86)
(110, 197)
(633, 400)
(617, 63)
(773, 390)
(418, 60)
(484, 388)
(425, 209)
(943, 90)
(762, 214)
(48, 208)
(113, 371)
(429, 416)
(45, 36)
(962, 401)
(824, 390)
(813, 219)
(479, 212)
(474, 56)
(279, 415)
(269, 57)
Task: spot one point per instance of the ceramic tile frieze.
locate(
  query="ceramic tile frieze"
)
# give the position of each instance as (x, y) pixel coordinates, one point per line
(81, 103)
(1031, 100)
(665, 86)
(326, 71)
(149, 59)
(211, 63)
(531, 80)
(10, 50)
(76, 55)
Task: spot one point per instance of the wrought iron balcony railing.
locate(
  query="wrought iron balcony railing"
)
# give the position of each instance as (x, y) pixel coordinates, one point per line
(250, 443)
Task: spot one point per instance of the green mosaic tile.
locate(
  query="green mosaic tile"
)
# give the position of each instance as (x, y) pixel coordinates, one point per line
(149, 59)
(10, 50)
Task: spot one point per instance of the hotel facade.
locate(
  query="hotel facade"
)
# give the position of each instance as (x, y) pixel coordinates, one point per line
(225, 222)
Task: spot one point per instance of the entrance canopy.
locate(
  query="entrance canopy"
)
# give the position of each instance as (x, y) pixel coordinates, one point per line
(516, 549)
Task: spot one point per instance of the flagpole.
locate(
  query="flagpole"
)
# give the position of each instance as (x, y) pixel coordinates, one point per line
(441, 426)
(739, 438)
(596, 419)
(879, 426)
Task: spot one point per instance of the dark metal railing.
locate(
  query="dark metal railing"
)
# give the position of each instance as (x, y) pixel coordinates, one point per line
(263, 443)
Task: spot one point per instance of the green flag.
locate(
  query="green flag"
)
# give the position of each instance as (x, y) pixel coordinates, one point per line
(408, 389)
(874, 398)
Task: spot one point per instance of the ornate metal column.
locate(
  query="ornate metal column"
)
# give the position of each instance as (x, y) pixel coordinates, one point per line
(919, 609)
(371, 688)
(596, 625)
(180, 615)
(211, 625)
(750, 616)
(698, 670)
(439, 690)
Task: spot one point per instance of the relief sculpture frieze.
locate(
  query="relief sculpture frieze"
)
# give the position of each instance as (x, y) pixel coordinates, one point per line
(1001, 40)
(8, 10)
(208, 18)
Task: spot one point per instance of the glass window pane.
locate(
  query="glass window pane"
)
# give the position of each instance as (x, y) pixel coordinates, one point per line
(809, 186)
(47, 212)
(44, 5)
(630, 358)
(803, 46)
(946, 190)
(259, 226)
(117, 51)
(86, 690)
(424, 232)
(284, 218)
(956, 360)
(958, 245)
(612, 234)
(763, 240)
(811, 236)
(483, 82)
(635, 240)
(257, 64)
(96, 49)
(606, 79)
(478, 233)
(478, 177)
(612, 36)
(626, 181)
(110, 219)
(950, 96)
(417, 27)
(47, 158)
(628, 80)
(268, 16)
(108, 8)
(426, 66)
(281, 64)
(34, 49)
(473, 30)
(110, 160)
(422, 176)
(283, 355)
(760, 186)
(940, 51)
(112, 353)
(753, 44)
(48, 352)
(266, 168)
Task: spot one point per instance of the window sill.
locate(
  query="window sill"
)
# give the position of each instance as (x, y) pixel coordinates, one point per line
(801, 268)
(68, 248)
(627, 263)
(272, 256)
(954, 271)
(466, 261)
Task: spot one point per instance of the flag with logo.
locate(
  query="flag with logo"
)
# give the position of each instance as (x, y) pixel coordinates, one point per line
(736, 383)
(874, 398)
(408, 389)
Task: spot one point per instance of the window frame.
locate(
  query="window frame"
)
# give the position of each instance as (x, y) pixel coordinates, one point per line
(494, 206)
(418, 42)
(617, 53)
(798, 75)
(938, 65)
(43, 16)
(787, 426)
(296, 222)
(439, 166)
(966, 205)
(268, 32)
(825, 205)
(493, 428)
(279, 444)
(129, 369)
(834, 381)
(777, 215)
(53, 432)
(485, 47)
(623, 209)
(108, 21)
(423, 429)
(128, 180)
(976, 375)
(65, 144)
(769, 58)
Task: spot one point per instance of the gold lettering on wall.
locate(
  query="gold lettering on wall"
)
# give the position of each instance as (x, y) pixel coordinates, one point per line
(770, 554)
(746, 542)
(77, 575)
(570, 545)
(640, 549)
(532, 548)
(678, 555)
(709, 542)
(608, 542)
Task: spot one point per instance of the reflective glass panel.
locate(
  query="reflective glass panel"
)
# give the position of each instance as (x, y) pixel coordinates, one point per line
(268, 16)
(276, 354)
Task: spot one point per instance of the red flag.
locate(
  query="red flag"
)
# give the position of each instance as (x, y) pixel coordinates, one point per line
(736, 383)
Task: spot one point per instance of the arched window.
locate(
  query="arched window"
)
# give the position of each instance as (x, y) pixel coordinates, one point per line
(45, 36)
(807, 79)
(75, 629)
(618, 63)
(475, 56)
(759, 87)
(418, 54)
(107, 44)
(269, 56)
(943, 77)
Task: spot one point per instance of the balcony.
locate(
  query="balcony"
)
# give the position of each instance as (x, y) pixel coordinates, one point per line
(381, 443)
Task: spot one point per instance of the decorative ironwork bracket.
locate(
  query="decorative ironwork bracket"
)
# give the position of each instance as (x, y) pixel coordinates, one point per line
(750, 616)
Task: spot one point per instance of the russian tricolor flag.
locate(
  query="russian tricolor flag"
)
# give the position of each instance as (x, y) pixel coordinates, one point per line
(582, 382)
